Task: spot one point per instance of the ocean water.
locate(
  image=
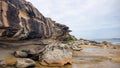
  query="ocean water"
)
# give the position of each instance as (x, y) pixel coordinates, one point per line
(113, 41)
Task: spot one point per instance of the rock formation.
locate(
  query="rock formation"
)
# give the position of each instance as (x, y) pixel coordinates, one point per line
(77, 45)
(55, 54)
(19, 19)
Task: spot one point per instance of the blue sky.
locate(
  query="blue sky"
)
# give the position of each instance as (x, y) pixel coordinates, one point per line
(88, 19)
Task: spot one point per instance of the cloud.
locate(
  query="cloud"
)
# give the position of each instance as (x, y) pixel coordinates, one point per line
(82, 15)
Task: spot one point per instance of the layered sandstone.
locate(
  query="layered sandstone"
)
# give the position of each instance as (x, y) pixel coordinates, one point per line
(19, 19)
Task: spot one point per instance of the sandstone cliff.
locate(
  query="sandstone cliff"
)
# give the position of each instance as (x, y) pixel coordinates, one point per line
(19, 19)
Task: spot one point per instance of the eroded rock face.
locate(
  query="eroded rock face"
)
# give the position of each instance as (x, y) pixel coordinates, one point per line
(56, 55)
(21, 20)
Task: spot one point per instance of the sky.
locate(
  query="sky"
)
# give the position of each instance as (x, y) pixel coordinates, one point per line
(89, 19)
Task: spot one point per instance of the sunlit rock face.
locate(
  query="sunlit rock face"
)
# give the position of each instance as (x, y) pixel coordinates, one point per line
(56, 54)
(19, 19)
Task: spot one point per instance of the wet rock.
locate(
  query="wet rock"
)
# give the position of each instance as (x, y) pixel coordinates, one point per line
(25, 63)
(56, 55)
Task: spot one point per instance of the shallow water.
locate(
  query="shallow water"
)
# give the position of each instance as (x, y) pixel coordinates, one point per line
(41, 66)
(5, 53)
(96, 58)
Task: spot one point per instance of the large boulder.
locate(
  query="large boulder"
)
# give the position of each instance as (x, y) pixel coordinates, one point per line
(19, 19)
(56, 55)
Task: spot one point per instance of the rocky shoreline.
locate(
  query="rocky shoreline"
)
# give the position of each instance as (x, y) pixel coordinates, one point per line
(54, 53)
(94, 54)
(30, 40)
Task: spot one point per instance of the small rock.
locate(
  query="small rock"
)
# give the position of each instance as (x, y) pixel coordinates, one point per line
(25, 63)
(20, 54)
(76, 48)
